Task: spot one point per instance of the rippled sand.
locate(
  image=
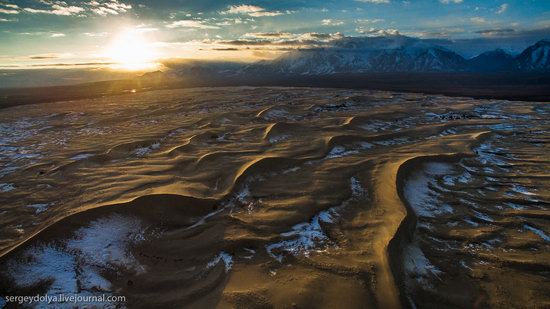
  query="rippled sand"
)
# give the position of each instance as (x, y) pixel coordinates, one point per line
(278, 197)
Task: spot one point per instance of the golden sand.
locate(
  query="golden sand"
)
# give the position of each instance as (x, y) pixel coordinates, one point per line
(278, 198)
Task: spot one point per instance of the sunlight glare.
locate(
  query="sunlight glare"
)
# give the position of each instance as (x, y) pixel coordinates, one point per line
(130, 50)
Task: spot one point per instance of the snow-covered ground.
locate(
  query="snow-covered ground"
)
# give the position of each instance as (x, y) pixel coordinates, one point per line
(76, 265)
(309, 237)
(419, 193)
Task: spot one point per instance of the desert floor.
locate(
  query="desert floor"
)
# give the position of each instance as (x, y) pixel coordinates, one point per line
(278, 198)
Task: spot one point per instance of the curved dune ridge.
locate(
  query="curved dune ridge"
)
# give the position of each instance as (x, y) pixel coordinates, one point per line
(276, 198)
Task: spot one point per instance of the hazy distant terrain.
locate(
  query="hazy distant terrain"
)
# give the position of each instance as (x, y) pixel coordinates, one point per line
(277, 197)
(25, 78)
(518, 86)
(396, 63)
(383, 54)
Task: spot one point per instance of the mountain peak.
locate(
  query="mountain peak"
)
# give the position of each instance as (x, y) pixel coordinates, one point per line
(493, 61)
(536, 57)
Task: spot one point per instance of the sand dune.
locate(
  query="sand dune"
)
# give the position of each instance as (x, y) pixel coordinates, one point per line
(278, 198)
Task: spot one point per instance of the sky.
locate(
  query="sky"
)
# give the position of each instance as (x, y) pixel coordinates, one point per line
(49, 33)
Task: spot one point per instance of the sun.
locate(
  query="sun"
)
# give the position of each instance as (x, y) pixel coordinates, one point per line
(130, 50)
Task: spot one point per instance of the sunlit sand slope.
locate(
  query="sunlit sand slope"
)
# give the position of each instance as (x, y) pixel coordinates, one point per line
(278, 198)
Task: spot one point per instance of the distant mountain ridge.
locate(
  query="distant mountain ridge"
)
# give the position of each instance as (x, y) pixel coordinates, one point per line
(401, 55)
(340, 61)
(390, 54)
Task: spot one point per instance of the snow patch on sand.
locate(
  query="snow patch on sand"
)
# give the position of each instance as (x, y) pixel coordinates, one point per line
(47, 263)
(365, 145)
(75, 265)
(225, 257)
(250, 255)
(514, 206)
(418, 267)
(279, 138)
(275, 113)
(419, 194)
(522, 190)
(6, 187)
(291, 170)
(39, 208)
(340, 152)
(489, 155)
(14, 155)
(308, 237)
(395, 141)
(106, 241)
(538, 232)
(81, 156)
(144, 151)
(302, 239)
(482, 216)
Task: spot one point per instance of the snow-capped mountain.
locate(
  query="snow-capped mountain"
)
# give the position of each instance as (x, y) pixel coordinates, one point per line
(357, 55)
(350, 61)
(398, 54)
(394, 53)
(437, 59)
(536, 57)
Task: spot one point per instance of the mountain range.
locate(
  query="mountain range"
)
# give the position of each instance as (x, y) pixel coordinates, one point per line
(394, 53)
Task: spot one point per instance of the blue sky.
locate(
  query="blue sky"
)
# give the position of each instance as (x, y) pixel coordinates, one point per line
(47, 32)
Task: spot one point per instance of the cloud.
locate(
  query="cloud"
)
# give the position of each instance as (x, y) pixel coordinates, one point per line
(321, 36)
(9, 5)
(273, 42)
(370, 21)
(145, 28)
(61, 8)
(503, 8)
(197, 24)
(57, 9)
(84, 64)
(226, 49)
(50, 34)
(244, 9)
(377, 32)
(268, 35)
(95, 34)
(442, 33)
(8, 11)
(477, 20)
(266, 13)
(109, 7)
(251, 10)
(44, 56)
(331, 22)
(286, 37)
(451, 1)
(374, 1)
(493, 32)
